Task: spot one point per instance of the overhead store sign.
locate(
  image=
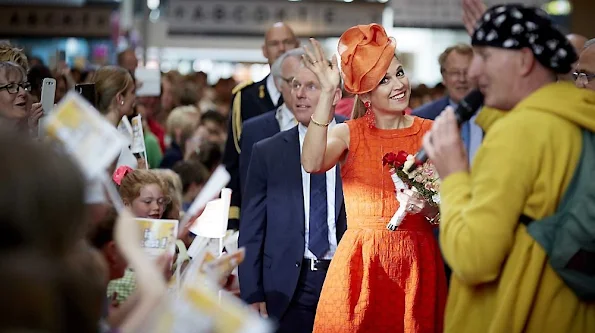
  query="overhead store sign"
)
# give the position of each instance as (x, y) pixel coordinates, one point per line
(252, 18)
(50, 21)
(439, 13)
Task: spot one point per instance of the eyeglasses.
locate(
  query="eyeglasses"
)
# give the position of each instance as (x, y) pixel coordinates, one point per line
(452, 73)
(161, 202)
(13, 88)
(583, 78)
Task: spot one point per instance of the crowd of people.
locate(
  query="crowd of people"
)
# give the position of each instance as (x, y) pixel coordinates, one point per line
(311, 197)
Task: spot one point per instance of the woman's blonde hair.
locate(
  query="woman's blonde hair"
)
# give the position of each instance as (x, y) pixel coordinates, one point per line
(13, 54)
(109, 82)
(9, 68)
(136, 179)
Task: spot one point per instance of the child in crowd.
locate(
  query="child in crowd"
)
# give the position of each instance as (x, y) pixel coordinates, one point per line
(147, 195)
(194, 175)
(181, 124)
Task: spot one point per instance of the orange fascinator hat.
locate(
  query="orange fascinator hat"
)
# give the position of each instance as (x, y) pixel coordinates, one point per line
(366, 52)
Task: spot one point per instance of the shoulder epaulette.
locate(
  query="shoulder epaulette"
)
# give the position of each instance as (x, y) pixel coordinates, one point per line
(242, 86)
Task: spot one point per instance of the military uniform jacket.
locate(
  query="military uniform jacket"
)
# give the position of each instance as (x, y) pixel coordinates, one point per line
(249, 100)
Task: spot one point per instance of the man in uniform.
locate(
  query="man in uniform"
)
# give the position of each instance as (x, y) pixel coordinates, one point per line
(250, 100)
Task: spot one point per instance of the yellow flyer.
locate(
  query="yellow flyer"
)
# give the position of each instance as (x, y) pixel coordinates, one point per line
(86, 134)
(158, 236)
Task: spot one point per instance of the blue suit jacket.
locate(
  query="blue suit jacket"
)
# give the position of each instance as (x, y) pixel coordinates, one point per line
(272, 223)
(431, 110)
(255, 129)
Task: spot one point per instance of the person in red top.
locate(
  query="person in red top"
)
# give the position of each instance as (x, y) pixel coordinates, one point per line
(152, 105)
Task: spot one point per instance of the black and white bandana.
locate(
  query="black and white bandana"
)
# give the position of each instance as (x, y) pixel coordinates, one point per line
(516, 27)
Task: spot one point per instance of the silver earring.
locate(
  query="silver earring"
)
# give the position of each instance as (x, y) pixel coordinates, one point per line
(122, 103)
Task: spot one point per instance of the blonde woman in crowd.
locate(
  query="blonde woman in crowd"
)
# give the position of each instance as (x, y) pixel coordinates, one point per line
(29, 120)
(115, 91)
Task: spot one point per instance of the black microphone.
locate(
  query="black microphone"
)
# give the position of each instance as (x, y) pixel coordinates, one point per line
(466, 109)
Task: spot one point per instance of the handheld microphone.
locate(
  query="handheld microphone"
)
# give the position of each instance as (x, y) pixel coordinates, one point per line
(466, 109)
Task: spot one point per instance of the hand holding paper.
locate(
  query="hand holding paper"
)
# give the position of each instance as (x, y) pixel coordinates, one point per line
(221, 268)
(150, 282)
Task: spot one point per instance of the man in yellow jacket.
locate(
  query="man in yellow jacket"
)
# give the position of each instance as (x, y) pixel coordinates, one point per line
(502, 281)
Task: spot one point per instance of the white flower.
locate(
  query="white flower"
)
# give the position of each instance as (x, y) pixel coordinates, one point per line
(408, 163)
(436, 198)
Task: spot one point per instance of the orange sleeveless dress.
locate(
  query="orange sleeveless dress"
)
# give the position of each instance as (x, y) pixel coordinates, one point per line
(381, 280)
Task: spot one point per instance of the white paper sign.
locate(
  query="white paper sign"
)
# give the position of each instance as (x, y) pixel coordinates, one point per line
(87, 135)
(149, 82)
(212, 223)
(125, 129)
(138, 137)
(218, 180)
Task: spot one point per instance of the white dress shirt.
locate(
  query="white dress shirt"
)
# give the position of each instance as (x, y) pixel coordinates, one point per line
(285, 118)
(331, 180)
(272, 89)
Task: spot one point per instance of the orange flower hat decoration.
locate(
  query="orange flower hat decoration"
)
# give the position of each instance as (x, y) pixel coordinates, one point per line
(366, 53)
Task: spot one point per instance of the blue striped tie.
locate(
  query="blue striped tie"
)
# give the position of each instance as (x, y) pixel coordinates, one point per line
(318, 234)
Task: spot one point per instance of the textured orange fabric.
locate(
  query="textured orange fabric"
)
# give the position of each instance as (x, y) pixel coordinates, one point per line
(366, 52)
(381, 280)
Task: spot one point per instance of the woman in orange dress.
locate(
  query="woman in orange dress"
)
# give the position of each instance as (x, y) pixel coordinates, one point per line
(379, 280)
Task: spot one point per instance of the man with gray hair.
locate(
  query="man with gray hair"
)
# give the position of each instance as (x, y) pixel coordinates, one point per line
(266, 125)
(584, 74)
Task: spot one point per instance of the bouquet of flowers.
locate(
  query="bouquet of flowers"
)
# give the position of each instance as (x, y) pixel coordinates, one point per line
(423, 181)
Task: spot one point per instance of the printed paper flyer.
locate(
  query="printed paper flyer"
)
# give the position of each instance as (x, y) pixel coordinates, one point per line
(158, 236)
(86, 134)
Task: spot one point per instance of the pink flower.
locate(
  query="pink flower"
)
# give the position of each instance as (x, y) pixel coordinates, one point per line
(419, 178)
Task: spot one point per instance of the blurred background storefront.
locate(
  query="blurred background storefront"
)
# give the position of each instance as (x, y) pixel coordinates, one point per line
(223, 38)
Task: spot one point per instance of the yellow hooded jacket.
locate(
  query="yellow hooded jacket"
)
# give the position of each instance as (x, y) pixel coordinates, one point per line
(502, 282)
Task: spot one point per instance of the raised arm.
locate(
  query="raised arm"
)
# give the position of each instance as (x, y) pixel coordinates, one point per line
(323, 149)
(472, 12)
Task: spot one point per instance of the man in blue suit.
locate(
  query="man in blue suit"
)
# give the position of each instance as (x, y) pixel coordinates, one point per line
(266, 125)
(454, 63)
(292, 221)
